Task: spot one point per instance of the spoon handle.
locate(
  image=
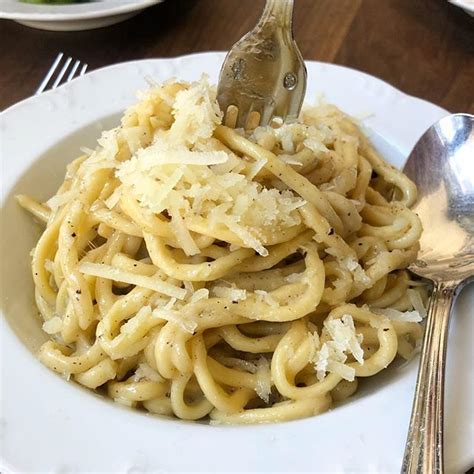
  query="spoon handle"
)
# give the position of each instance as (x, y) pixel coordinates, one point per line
(424, 448)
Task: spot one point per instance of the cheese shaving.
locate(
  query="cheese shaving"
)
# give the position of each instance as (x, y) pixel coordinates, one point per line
(112, 273)
(114, 198)
(86, 150)
(263, 295)
(247, 237)
(59, 200)
(183, 236)
(169, 305)
(185, 169)
(264, 381)
(188, 285)
(350, 263)
(177, 318)
(53, 325)
(49, 265)
(234, 294)
(293, 277)
(417, 302)
(406, 316)
(201, 294)
(333, 353)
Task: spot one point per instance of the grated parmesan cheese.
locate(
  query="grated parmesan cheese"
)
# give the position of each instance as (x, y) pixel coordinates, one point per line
(234, 294)
(169, 305)
(361, 276)
(417, 302)
(201, 294)
(290, 160)
(294, 277)
(125, 402)
(196, 113)
(353, 266)
(395, 315)
(177, 318)
(350, 263)
(53, 325)
(247, 237)
(264, 379)
(183, 236)
(152, 193)
(112, 273)
(86, 150)
(187, 173)
(333, 353)
(263, 295)
(188, 285)
(114, 198)
(49, 265)
(59, 200)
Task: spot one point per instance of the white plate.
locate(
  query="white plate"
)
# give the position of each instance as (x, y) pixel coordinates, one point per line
(50, 425)
(466, 5)
(75, 17)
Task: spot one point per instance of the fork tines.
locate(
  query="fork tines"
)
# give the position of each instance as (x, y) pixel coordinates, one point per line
(263, 76)
(67, 69)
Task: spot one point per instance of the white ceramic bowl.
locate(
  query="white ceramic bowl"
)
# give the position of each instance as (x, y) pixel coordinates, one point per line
(466, 5)
(74, 17)
(50, 425)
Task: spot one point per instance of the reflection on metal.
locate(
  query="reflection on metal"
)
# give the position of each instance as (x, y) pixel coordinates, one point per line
(442, 166)
(264, 71)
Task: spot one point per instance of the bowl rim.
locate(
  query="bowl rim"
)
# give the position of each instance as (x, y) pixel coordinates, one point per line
(271, 437)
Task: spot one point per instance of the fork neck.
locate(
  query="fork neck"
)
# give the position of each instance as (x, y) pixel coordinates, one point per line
(280, 11)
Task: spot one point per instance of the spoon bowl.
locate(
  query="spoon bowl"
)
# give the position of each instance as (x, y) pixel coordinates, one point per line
(442, 166)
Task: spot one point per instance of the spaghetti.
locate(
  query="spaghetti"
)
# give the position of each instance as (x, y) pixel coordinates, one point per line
(246, 275)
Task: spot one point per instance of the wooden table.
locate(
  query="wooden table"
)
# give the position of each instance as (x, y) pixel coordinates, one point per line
(424, 47)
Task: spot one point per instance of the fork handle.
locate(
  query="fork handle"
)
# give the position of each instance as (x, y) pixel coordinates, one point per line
(424, 448)
(282, 10)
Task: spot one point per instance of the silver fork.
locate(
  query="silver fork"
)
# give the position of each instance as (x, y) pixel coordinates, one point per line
(77, 69)
(263, 75)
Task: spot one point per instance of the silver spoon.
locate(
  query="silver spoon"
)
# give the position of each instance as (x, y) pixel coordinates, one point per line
(442, 166)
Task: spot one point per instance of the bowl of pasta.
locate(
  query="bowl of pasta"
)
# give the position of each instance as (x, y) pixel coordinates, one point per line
(186, 285)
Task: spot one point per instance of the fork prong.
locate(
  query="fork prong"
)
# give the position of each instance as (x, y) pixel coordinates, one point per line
(230, 116)
(51, 71)
(241, 118)
(61, 73)
(253, 120)
(250, 113)
(281, 110)
(83, 69)
(73, 70)
(244, 108)
(266, 115)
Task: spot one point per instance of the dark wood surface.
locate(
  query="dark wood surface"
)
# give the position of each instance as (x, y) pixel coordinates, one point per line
(424, 47)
